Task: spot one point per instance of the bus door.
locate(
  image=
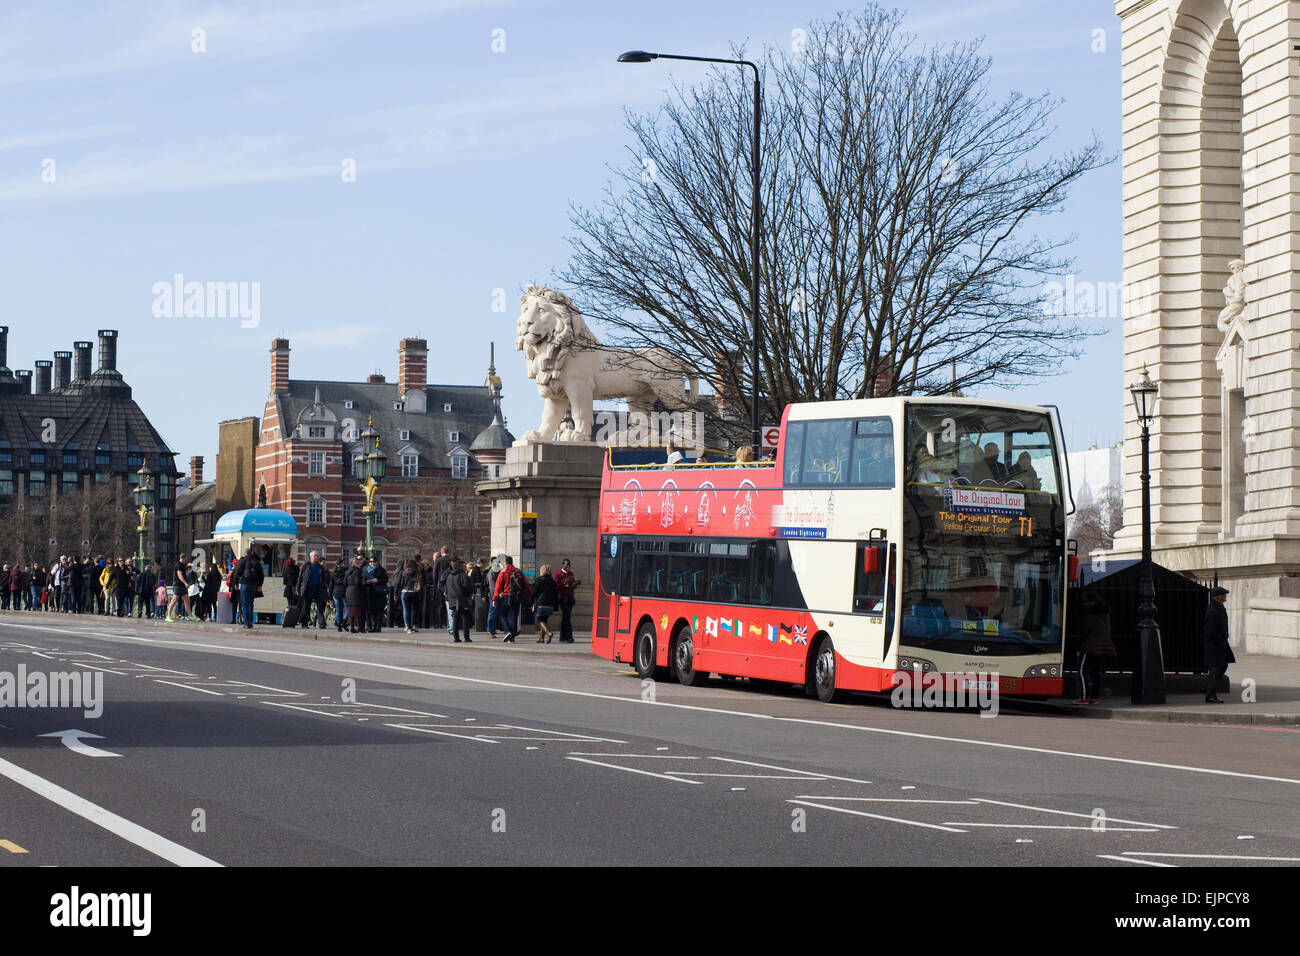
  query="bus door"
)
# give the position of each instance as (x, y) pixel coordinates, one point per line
(872, 590)
(623, 592)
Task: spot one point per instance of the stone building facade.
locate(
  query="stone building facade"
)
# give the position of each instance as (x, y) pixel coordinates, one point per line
(1211, 172)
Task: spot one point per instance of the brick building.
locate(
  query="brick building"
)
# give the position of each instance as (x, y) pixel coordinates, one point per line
(310, 434)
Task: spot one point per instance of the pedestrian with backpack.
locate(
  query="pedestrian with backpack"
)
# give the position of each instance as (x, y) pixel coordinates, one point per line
(501, 599)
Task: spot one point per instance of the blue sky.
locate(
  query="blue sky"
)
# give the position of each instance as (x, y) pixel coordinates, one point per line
(226, 165)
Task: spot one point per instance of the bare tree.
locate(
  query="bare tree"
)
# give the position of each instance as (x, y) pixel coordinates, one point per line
(896, 255)
(1095, 525)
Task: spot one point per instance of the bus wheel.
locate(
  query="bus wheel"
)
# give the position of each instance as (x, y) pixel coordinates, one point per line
(645, 654)
(684, 659)
(823, 676)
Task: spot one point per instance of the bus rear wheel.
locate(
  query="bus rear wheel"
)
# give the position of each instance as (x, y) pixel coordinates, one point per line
(644, 657)
(684, 659)
(823, 673)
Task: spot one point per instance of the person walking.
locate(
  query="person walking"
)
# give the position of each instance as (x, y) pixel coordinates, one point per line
(410, 582)
(478, 584)
(376, 594)
(355, 595)
(566, 584)
(211, 588)
(545, 598)
(1094, 644)
(460, 600)
(144, 588)
(1218, 652)
(501, 600)
(440, 566)
(312, 584)
(76, 596)
(249, 576)
(338, 594)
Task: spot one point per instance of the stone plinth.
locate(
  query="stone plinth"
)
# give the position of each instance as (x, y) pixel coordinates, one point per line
(560, 483)
(1273, 626)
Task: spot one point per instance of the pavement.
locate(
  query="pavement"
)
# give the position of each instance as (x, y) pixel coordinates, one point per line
(1264, 690)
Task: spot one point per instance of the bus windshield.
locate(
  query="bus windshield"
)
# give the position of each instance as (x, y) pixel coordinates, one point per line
(984, 531)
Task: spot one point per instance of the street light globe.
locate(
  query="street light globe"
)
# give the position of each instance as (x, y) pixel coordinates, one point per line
(1144, 398)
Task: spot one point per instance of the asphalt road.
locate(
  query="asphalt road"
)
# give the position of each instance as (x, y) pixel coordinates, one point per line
(269, 750)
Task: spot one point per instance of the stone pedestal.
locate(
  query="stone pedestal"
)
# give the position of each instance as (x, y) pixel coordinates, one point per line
(560, 483)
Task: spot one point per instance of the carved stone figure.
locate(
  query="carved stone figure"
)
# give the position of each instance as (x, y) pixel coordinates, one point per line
(1234, 296)
(572, 369)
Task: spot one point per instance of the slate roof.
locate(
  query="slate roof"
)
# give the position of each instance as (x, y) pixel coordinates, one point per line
(84, 420)
(471, 413)
(197, 500)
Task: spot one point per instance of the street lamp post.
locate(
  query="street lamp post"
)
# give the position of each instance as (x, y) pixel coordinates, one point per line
(755, 210)
(1149, 673)
(143, 492)
(371, 470)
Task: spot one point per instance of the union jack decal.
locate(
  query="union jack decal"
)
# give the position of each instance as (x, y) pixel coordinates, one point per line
(800, 635)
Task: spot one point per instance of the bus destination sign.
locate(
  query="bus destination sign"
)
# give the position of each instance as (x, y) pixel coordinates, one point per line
(983, 511)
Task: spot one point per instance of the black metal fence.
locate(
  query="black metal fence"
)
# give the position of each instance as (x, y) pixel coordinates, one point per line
(1180, 613)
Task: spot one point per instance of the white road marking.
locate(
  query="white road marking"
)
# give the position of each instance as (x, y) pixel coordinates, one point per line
(1072, 813)
(46, 656)
(647, 773)
(579, 753)
(214, 693)
(637, 701)
(96, 667)
(120, 826)
(323, 713)
(1052, 826)
(72, 740)
(806, 796)
(561, 733)
(1129, 859)
(877, 816)
(441, 733)
(768, 766)
(1215, 856)
(291, 693)
(748, 776)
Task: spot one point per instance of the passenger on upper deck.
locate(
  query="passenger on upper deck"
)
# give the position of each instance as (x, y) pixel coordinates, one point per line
(745, 455)
(1024, 473)
(674, 454)
(989, 467)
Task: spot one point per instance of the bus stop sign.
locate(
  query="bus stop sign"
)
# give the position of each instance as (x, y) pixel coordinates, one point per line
(771, 433)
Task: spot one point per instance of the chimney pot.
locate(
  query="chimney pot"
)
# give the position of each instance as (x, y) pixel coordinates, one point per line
(44, 368)
(107, 350)
(25, 379)
(81, 364)
(62, 369)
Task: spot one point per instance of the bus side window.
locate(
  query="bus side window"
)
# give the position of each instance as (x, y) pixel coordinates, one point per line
(762, 572)
(869, 577)
(793, 451)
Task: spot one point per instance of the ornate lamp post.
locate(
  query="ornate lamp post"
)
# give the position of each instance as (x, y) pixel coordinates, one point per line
(755, 208)
(1149, 672)
(143, 492)
(371, 470)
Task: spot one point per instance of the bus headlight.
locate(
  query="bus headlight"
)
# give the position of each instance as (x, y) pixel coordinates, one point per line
(1044, 670)
(915, 664)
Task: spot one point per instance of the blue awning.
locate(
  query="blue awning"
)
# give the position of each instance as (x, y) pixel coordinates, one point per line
(256, 521)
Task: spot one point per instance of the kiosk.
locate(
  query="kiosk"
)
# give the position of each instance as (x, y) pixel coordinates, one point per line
(274, 536)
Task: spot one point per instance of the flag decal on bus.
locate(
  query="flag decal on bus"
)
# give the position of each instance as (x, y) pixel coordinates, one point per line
(695, 624)
(771, 632)
(800, 635)
(711, 626)
(755, 629)
(726, 626)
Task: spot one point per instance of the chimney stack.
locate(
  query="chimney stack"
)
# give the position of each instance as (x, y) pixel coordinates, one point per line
(412, 365)
(81, 364)
(62, 369)
(375, 378)
(4, 346)
(43, 371)
(196, 471)
(107, 350)
(25, 379)
(279, 365)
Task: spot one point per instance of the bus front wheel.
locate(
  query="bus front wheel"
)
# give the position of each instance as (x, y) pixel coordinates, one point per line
(823, 675)
(684, 659)
(645, 654)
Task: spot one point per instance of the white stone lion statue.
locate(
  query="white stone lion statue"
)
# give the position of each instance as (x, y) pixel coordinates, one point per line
(572, 369)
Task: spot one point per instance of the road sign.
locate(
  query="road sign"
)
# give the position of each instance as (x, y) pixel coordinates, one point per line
(771, 434)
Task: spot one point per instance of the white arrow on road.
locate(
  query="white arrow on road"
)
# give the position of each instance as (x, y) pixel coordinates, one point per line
(72, 740)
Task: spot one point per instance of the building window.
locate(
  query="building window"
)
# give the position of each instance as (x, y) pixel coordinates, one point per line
(316, 431)
(404, 434)
(410, 514)
(379, 514)
(36, 484)
(101, 457)
(497, 473)
(453, 437)
(410, 466)
(6, 482)
(460, 466)
(69, 482)
(356, 465)
(316, 463)
(315, 511)
(346, 518)
(38, 457)
(134, 461)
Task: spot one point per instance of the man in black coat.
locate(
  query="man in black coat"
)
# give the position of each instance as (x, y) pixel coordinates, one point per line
(312, 586)
(1218, 654)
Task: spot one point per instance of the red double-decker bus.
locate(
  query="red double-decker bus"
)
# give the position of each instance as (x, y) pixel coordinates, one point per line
(900, 534)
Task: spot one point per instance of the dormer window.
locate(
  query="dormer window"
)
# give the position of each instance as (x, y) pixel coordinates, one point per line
(460, 465)
(398, 406)
(453, 437)
(404, 434)
(348, 403)
(316, 431)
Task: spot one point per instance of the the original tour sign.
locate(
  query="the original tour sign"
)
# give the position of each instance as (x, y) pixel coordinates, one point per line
(983, 511)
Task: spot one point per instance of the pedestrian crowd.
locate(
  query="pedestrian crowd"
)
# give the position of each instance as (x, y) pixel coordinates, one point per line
(458, 596)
